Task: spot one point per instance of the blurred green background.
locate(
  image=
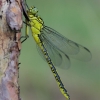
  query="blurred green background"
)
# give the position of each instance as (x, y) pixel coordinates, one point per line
(78, 20)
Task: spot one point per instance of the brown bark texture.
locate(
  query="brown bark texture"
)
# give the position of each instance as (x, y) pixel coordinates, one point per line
(10, 26)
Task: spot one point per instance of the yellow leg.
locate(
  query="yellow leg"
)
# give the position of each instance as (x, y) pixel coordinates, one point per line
(26, 33)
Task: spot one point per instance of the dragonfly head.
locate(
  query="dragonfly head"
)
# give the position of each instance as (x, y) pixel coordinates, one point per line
(34, 10)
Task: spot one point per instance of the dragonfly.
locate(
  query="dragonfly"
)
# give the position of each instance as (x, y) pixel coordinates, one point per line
(54, 47)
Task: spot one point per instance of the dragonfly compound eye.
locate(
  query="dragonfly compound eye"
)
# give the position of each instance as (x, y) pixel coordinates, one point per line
(34, 10)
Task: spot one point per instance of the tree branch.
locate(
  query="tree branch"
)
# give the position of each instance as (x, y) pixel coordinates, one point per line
(10, 26)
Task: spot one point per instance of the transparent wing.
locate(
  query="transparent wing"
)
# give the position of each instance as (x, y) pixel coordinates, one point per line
(59, 59)
(55, 42)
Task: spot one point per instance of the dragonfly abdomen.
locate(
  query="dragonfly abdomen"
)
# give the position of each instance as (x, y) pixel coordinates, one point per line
(54, 71)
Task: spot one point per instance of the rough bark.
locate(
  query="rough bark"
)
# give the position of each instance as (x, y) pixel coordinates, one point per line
(9, 53)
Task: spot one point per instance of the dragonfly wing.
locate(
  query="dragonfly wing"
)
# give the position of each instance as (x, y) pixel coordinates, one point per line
(56, 56)
(53, 54)
(64, 45)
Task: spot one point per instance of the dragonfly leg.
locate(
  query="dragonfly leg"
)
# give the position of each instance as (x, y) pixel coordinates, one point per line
(25, 38)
